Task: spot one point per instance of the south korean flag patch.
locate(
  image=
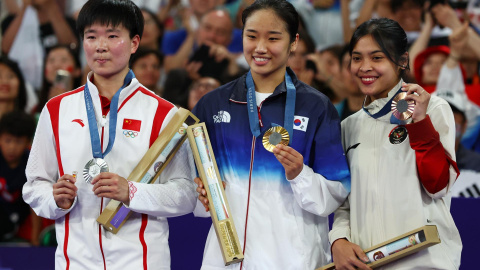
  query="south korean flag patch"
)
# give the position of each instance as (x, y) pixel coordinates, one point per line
(300, 123)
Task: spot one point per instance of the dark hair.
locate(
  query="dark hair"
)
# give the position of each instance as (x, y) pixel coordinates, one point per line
(389, 35)
(142, 52)
(282, 8)
(111, 12)
(18, 124)
(336, 50)
(21, 100)
(46, 85)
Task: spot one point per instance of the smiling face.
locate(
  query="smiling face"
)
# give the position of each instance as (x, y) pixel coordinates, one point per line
(266, 44)
(108, 49)
(9, 84)
(372, 69)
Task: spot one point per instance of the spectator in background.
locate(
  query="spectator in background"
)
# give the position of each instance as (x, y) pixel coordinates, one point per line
(29, 34)
(13, 94)
(152, 31)
(202, 54)
(327, 63)
(16, 133)
(199, 88)
(215, 31)
(298, 59)
(466, 159)
(146, 64)
(62, 73)
(346, 84)
(323, 21)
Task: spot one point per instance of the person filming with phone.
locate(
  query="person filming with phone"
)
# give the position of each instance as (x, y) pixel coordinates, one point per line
(209, 45)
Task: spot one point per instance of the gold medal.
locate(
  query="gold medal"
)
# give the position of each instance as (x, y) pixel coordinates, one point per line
(402, 109)
(273, 136)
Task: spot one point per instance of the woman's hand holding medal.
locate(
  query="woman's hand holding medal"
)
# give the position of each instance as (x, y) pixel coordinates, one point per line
(112, 186)
(65, 191)
(421, 99)
(291, 160)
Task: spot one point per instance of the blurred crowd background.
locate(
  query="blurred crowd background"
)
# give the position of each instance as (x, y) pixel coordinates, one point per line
(190, 47)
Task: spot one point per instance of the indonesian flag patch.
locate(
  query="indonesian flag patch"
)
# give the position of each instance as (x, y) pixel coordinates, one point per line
(132, 124)
(300, 123)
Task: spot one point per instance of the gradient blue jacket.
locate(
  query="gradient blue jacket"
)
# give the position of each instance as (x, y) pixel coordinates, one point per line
(281, 224)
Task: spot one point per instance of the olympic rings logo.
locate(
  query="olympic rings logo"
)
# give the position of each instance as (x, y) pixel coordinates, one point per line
(130, 134)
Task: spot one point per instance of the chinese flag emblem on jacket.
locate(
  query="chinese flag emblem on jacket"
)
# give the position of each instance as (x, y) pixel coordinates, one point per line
(131, 124)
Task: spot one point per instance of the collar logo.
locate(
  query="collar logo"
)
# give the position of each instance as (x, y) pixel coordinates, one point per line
(398, 135)
(222, 117)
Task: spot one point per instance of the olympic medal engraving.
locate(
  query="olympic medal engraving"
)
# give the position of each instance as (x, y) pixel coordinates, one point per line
(273, 136)
(93, 168)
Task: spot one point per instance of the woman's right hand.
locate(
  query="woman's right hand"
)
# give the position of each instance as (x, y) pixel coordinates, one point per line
(65, 191)
(347, 255)
(202, 193)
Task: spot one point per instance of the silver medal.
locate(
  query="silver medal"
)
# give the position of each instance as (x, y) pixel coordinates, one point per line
(93, 168)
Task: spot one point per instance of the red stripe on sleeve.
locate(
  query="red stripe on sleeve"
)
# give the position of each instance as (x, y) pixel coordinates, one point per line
(142, 239)
(433, 163)
(53, 107)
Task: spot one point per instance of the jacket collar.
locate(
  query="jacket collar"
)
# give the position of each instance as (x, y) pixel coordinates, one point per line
(239, 93)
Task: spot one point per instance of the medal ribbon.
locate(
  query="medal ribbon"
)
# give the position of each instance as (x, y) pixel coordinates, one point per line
(386, 109)
(253, 111)
(92, 122)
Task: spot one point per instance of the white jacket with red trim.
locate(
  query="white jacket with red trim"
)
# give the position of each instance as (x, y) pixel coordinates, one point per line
(62, 145)
(387, 198)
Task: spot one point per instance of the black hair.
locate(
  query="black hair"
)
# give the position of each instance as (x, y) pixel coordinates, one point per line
(390, 37)
(111, 12)
(21, 100)
(282, 8)
(18, 124)
(46, 85)
(336, 50)
(142, 52)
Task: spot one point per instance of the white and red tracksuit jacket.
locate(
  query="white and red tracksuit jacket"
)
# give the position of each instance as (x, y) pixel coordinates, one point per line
(62, 145)
(398, 187)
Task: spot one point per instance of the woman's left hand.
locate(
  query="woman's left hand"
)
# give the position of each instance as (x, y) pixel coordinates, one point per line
(421, 99)
(290, 159)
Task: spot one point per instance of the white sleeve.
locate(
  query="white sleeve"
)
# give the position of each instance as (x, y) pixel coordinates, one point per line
(341, 223)
(42, 171)
(316, 194)
(177, 196)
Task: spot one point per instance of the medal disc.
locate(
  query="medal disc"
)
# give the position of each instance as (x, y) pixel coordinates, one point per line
(402, 109)
(93, 168)
(273, 136)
